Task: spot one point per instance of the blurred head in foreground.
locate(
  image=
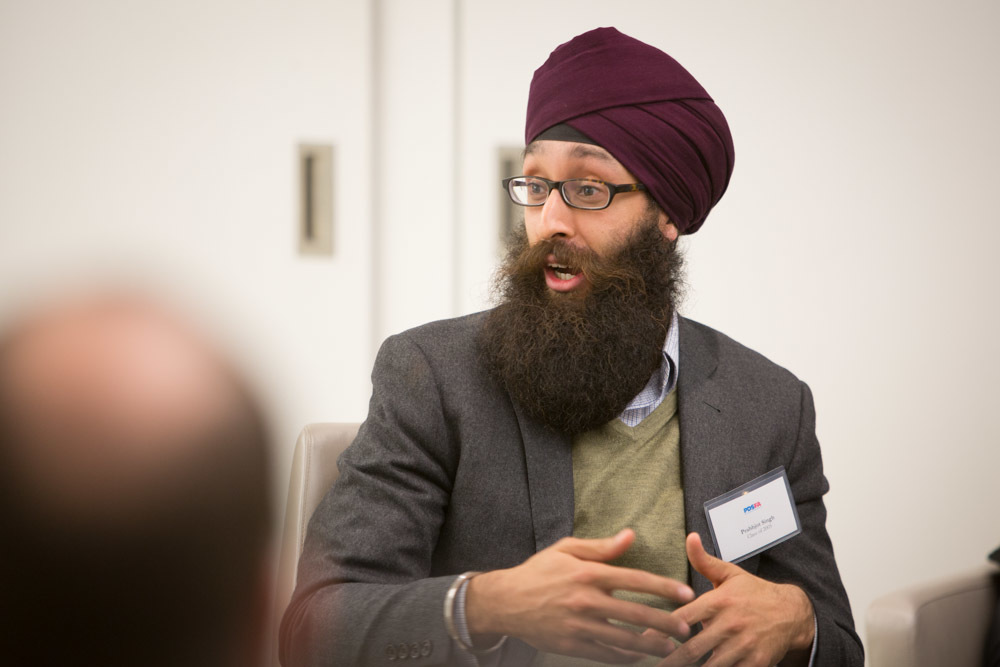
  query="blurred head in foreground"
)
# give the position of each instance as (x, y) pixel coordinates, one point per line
(134, 500)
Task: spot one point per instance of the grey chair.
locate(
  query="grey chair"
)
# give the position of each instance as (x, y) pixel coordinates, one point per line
(314, 469)
(941, 622)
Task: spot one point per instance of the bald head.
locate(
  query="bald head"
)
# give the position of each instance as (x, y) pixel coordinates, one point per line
(134, 469)
(108, 398)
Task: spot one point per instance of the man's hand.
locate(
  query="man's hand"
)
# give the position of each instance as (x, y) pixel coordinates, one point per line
(746, 620)
(559, 601)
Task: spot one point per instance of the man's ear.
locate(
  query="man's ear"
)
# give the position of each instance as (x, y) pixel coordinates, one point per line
(668, 228)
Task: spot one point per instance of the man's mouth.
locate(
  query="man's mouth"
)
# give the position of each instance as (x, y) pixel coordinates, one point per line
(563, 272)
(563, 277)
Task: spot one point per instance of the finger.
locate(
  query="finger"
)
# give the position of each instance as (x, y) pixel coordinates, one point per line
(586, 642)
(691, 651)
(712, 568)
(643, 616)
(727, 658)
(602, 549)
(614, 636)
(671, 643)
(612, 578)
(598, 652)
(697, 611)
(652, 632)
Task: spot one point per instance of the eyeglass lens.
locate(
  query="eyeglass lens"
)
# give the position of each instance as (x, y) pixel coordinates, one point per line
(579, 192)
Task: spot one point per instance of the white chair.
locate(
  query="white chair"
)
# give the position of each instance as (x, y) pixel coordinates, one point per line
(942, 622)
(314, 469)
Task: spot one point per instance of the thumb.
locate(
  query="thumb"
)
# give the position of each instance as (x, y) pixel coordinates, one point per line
(714, 569)
(602, 549)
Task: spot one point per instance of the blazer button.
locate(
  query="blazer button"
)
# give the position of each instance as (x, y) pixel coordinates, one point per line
(426, 648)
(403, 652)
(390, 652)
(414, 650)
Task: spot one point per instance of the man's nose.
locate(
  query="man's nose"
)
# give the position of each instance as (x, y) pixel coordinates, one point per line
(556, 219)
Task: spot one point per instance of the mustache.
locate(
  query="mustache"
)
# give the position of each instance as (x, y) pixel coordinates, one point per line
(526, 262)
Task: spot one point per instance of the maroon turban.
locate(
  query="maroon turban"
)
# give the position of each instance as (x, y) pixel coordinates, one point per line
(640, 105)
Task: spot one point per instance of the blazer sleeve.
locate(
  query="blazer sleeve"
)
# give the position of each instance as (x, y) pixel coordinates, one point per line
(807, 560)
(365, 593)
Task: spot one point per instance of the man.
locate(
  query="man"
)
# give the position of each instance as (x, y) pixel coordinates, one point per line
(555, 451)
(134, 493)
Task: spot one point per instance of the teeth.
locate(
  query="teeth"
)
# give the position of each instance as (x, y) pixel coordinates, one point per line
(563, 274)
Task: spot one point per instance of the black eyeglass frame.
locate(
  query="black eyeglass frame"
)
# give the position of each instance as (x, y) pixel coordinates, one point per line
(613, 189)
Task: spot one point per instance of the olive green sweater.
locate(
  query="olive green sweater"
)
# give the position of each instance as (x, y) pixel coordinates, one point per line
(630, 477)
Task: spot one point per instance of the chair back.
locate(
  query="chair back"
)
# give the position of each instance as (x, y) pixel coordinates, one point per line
(314, 469)
(940, 622)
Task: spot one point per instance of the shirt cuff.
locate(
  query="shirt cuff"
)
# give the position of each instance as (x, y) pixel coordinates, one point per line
(812, 654)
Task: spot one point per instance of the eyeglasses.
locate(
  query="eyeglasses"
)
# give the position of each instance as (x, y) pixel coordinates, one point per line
(584, 193)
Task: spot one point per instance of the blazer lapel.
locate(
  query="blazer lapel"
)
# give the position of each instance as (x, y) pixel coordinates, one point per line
(549, 459)
(701, 409)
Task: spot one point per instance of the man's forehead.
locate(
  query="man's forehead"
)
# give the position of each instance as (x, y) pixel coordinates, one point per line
(569, 149)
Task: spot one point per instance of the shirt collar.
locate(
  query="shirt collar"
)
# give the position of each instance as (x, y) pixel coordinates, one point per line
(664, 379)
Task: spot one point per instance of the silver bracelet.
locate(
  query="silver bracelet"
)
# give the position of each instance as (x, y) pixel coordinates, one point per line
(449, 615)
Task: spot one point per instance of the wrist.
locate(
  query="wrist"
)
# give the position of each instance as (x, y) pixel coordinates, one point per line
(455, 618)
(482, 611)
(804, 626)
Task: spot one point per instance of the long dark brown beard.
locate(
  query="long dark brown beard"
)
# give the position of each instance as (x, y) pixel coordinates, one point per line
(574, 361)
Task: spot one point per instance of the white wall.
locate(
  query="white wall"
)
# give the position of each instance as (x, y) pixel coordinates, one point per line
(157, 141)
(416, 147)
(854, 245)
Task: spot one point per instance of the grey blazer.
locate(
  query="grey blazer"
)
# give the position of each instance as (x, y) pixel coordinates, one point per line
(448, 475)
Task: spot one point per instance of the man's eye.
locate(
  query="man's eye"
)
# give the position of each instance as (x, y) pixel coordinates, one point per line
(536, 188)
(589, 191)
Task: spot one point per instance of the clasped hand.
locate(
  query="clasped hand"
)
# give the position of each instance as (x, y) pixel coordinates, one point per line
(560, 601)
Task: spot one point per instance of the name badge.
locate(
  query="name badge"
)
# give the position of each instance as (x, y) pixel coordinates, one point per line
(753, 517)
